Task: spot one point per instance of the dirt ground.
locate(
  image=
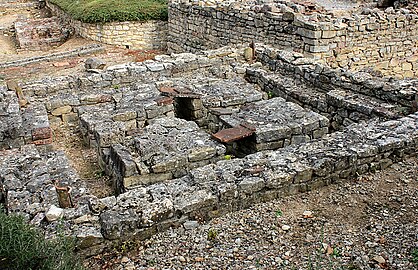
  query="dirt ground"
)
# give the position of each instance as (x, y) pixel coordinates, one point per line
(83, 159)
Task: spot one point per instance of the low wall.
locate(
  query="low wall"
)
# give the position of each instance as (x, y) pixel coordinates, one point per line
(85, 50)
(130, 34)
(386, 41)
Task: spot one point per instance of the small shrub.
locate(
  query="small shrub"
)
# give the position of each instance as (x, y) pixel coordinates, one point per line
(271, 94)
(23, 246)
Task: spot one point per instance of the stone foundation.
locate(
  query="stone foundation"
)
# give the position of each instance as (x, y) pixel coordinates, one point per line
(276, 124)
(19, 125)
(168, 148)
(204, 185)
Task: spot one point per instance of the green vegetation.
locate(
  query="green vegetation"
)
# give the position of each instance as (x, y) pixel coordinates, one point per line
(23, 246)
(99, 11)
(212, 234)
(414, 255)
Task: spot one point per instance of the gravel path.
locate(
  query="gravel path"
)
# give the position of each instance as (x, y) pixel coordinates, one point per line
(337, 4)
(369, 223)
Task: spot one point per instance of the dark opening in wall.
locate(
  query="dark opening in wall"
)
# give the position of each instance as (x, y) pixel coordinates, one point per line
(386, 3)
(242, 147)
(183, 108)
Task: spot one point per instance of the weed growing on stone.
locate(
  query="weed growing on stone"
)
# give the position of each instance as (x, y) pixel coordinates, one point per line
(270, 94)
(212, 234)
(279, 213)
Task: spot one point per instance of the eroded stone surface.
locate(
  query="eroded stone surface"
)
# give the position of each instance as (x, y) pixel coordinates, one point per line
(277, 123)
(166, 149)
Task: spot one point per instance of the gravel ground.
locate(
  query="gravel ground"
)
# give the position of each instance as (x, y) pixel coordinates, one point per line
(368, 223)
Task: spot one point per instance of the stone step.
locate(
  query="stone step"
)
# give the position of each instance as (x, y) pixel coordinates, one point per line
(342, 107)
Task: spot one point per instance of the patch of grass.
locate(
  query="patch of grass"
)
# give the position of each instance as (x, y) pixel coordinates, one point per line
(271, 94)
(100, 11)
(23, 246)
(279, 213)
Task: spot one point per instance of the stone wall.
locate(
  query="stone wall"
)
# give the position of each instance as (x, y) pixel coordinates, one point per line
(132, 34)
(386, 41)
(193, 28)
(22, 123)
(238, 183)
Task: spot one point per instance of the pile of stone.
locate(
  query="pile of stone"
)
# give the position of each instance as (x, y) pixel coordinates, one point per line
(167, 148)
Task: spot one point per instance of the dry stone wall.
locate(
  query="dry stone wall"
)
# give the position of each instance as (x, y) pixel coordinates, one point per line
(21, 125)
(326, 90)
(384, 40)
(133, 34)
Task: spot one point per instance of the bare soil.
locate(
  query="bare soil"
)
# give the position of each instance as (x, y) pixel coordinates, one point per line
(82, 158)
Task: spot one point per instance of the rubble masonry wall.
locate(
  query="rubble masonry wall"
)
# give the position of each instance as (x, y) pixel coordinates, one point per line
(386, 41)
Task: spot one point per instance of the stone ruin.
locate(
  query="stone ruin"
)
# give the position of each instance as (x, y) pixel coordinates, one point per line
(40, 34)
(36, 29)
(165, 131)
(192, 136)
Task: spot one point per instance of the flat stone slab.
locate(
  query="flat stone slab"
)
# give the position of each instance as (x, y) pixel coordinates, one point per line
(277, 123)
(227, 93)
(166, 149)
(233, 134)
